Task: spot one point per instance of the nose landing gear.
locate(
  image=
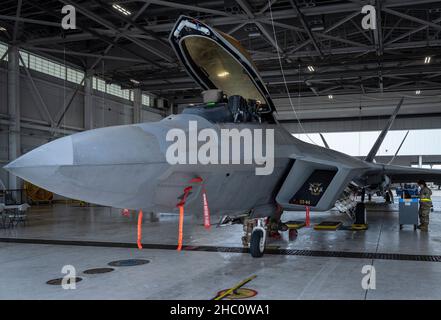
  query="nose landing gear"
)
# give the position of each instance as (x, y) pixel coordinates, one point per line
(255, 236)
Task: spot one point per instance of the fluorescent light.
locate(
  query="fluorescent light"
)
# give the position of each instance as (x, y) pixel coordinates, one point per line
(134, 81)
(330, 96)
(418, 92)
(124, 11)
(427, 60)
(223, 74)
(254, 34)
(2, 29)
(318, 28)
(311, 68)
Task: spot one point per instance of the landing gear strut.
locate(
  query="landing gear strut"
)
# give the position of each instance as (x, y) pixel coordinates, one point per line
(255, 236)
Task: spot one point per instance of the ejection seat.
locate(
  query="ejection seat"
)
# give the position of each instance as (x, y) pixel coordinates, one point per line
(214, 109)
(217, 108)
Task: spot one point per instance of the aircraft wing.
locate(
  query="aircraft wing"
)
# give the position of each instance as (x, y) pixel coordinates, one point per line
(318, 181)
(401, 174)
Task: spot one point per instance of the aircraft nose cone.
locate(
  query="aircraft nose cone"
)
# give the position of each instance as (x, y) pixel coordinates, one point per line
(56, 153)
(113, 166)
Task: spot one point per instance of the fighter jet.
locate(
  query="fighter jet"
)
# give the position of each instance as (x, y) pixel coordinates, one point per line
(129, 167)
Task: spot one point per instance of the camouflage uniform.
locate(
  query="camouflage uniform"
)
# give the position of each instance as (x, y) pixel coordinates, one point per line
(425, 206)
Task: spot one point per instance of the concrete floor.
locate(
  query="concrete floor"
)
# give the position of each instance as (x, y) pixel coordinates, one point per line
(25, 268)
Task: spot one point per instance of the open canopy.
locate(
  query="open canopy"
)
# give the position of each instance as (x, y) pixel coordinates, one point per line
(218, 61)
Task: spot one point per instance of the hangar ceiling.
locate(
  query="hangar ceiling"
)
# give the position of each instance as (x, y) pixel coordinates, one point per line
(131, 47)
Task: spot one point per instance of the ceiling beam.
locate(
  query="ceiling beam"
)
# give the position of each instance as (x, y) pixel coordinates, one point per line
(132, 22)
(407, 34)
(269, 36)
(306, 27)
(112, 27)
(266, 6)
(412, 18)
(82, 54)
(177, 5)
(31, 21)
(266, 33)
(236, 28)
(378, 31)
(84, 36)
(329, 29)
(16, 24)
(100, 36)
(110, 46)
(221, 18)
(273, 78)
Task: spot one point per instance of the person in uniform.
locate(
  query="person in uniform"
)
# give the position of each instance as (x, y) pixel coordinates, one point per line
(425, 205)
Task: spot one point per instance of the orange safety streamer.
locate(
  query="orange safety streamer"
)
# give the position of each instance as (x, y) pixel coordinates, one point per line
(307, 222)
(139, 229)
(181, 227)
(207, 223)
(180, 205)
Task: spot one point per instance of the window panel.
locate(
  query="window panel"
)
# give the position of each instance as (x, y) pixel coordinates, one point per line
(146, 100)
(3, 49)
(52, 68)
(25, 57)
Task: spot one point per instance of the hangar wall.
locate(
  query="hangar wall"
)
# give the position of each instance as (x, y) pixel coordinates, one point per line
(108, 110)
(410, 144)
(371, 124)
(367, 112)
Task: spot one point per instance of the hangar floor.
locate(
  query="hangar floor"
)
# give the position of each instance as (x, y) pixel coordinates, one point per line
(94, 236)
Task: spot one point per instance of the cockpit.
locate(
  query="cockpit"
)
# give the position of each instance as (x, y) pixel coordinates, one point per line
(219, 108)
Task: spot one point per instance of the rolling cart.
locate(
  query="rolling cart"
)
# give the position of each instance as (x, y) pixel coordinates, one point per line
(408, 212)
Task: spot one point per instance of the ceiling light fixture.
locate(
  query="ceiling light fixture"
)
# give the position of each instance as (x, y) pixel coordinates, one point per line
(427, 60)
(254, 34)
(418, 92)
(223, 74)
(124, 11)
(311, 68)
(330, 97)
(2, 29)
(136, 82)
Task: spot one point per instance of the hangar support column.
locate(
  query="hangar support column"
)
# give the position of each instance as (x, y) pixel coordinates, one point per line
(14, 141)
(88, 101)
(137, 102)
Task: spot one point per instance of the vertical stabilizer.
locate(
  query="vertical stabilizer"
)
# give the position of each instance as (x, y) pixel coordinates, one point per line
(371, 155)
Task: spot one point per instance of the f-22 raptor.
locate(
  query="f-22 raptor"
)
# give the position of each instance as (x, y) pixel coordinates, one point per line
(126, 166)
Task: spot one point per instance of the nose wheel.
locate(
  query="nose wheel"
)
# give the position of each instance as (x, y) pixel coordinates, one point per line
(257, 243)
(255, 236)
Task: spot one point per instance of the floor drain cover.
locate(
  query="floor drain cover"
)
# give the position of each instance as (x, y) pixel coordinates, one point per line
(57, 282)
(98, 270)
(241, 293)
(128, 263)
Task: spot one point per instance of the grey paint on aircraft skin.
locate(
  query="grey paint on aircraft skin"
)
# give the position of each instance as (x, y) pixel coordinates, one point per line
(125, 167)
